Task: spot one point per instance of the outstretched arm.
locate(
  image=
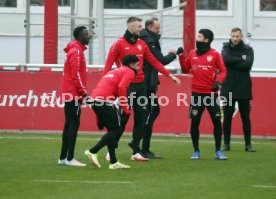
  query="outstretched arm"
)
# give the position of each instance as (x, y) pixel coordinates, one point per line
(158, 66)
(111, 58)
(159, 55)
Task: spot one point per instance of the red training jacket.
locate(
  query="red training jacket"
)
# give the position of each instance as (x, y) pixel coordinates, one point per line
(204, 68)
(74, 72)
(115, 84)
(122, 48)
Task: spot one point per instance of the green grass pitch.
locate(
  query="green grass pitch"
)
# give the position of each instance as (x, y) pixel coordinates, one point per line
(28, 169)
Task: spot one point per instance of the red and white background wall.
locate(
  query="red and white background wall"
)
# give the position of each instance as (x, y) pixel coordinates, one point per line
(32, 101)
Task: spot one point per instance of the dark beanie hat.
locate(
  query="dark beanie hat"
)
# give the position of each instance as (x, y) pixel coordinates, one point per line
(208, 34)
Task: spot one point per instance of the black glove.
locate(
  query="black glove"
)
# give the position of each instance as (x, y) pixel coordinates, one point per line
(179, 51)
(216, 86)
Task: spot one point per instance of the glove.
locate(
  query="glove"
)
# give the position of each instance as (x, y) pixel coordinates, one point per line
(216, 86)
(179, 51)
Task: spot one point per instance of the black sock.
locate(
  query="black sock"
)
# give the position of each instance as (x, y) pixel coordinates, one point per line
(217, 135)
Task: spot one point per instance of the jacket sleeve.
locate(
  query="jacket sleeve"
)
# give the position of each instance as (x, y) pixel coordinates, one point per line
(227, 58)
(237, 62)
(245, 64)
(154, 62)
(221, 68)
(159, 56)
(111, 58)
(122, 90)
(74, 60)
(185, 63)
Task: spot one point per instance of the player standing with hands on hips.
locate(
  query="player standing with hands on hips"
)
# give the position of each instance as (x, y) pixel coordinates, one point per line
(204, 63)
(238, 58)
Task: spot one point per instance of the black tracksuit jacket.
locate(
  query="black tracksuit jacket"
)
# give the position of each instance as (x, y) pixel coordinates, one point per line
(238, 61)
(151, 74)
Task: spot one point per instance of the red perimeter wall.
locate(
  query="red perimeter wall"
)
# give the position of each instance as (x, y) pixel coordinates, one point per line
(22, 106)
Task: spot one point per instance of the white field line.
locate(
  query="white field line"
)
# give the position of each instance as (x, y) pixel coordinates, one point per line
(85, 181)
(264, 186)
(120, 182)
(125, 140)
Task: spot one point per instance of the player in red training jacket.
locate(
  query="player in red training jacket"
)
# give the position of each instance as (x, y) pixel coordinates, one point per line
(73, 90)
(130, 43)
(113, 85)
(208, 71)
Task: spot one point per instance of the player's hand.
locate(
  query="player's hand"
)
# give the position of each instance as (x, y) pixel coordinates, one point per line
(175, 79)
(216, 86)
(173, 51)
(179, 51)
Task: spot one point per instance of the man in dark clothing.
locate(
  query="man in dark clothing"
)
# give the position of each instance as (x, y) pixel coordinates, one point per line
(73, 90)
(150, 35)
(238, 59)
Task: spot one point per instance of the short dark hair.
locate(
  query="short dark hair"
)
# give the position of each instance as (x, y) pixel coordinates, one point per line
(130, 59)
(133, 19)
(77, 31)
(151, 21)
(236, 29)
(208, 34)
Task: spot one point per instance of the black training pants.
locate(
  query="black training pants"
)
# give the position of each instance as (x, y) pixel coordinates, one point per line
(137, 99)
(198, 103)
(153, 112)
(244, 108)
(72, 112)
(110, 118)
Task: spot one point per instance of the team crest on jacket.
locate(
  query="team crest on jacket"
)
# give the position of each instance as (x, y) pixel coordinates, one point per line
(209, 58)
(194, 112)
(244, 57)
(139, 47)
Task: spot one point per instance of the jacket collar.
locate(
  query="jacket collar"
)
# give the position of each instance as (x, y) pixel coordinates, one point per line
(75, 44)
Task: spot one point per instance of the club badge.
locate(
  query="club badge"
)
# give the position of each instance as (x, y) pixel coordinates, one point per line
(244, 57)
(139, 47)
(209, 58)
(194, 67)
(194, 112)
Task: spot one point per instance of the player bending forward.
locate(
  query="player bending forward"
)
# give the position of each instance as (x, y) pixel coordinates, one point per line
(112, 86)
